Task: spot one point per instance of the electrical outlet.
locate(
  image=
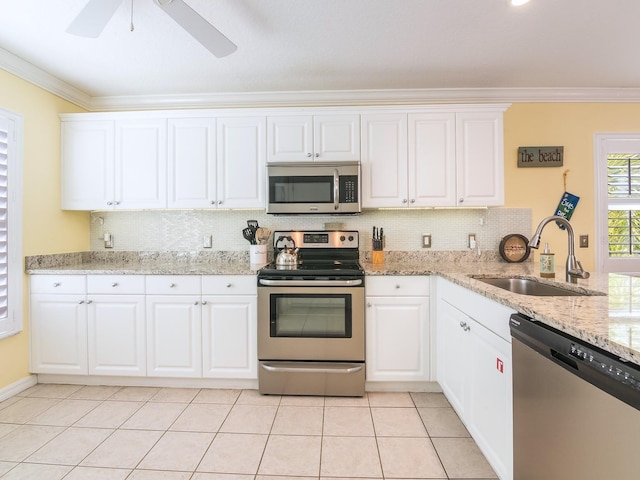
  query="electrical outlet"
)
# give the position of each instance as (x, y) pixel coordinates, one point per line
(584, 241)
(472, 240)
(207, 241)
(426, 240)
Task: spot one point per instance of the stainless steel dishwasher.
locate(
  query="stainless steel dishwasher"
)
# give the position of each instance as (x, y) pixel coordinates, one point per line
(576, 408)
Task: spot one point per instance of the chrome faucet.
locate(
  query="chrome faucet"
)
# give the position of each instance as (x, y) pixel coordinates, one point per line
(574, 267)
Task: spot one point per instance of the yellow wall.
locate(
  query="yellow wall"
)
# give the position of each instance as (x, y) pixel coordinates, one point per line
(573, 126)
(46, 229)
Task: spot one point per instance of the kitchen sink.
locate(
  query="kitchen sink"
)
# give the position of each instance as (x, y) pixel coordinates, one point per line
(528, 286)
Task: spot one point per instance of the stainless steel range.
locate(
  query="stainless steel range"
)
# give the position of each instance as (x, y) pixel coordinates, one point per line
(311, 315)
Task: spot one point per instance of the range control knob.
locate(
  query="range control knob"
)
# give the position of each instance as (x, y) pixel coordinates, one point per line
(351, 238)
(342, 238)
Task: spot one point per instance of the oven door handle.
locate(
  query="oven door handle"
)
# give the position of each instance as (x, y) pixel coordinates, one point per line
(310, 283)
(349, 369)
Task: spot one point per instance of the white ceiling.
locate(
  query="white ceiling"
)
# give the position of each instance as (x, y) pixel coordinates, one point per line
(329, 45)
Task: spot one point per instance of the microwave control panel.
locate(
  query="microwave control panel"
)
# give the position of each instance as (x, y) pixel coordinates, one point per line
(348, 189)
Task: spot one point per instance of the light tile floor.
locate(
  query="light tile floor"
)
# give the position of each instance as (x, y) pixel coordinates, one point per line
(51, 432)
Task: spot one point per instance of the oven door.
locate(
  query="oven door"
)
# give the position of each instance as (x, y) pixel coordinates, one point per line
(315, 323)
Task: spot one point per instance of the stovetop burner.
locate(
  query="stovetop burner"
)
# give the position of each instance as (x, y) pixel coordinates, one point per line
(320, 253)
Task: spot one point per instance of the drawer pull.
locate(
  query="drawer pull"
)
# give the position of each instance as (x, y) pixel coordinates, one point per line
(196, 302)
(204, 303)
(89, 302)
(114, 284)
(172, 285)
(80, 302)
(56, 284)
(229, 285)
(397, 286)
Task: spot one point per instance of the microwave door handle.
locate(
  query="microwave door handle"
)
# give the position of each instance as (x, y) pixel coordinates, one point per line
(336, 189)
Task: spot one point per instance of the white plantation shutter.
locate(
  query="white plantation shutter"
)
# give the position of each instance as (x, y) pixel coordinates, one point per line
(4, 221)
(11, 276)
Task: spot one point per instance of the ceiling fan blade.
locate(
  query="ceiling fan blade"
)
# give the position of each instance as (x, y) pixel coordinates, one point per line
(93, 18)
(205, 33)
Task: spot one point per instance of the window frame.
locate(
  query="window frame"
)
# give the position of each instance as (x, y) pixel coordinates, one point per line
(605, 144)
(13, 323)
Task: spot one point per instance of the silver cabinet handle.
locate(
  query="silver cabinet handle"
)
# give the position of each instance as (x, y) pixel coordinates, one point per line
(89, 302)
(397, 286)
(114, 284)
(219, 202)
(404, 200)
(369, 304)
(172, 285)
(196, 302)
(229, 285)
(413, 200)
(204, 302)
(56, 284)
(213, 202)
(309, 155)
(461, 200)
(116, 202)
(317, 155)
(109, 203)
(80, 302)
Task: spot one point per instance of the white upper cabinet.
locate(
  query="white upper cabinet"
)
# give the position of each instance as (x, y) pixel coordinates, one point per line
(241, 162)
(432, 159)
(384, 160)
(120, 163)
(141, 163)
(480, 159)
(313, 138)
(192, 163)
(87, 164)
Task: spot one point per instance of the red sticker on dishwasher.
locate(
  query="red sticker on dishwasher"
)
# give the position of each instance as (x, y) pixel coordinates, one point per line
(499, 365)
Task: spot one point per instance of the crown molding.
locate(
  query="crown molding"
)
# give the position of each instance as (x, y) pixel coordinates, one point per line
(311, 98)
(35, 75)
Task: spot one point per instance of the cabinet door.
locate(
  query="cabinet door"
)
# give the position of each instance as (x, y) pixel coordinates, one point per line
(336, 138)
(452, 354)
(58, 326)
(229, 336)
(384, 160)
(241, 162)
(141, 163)
(87, 165)
(290, 138)
(489, 405)
(397, 338)
(192, 163)
(432, 168)
(116, 333)
(174, 336)
(480, 159)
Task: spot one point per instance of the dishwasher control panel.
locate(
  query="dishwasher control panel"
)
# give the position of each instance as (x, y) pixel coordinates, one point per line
(605, 365)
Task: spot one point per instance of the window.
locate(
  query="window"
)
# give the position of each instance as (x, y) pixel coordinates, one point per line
(11, 277)
(618, 202)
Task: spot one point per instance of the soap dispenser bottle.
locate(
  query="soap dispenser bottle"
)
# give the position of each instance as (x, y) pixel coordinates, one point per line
(547, 263)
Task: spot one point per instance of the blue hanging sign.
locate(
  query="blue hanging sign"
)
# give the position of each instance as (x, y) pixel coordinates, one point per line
(567, 205)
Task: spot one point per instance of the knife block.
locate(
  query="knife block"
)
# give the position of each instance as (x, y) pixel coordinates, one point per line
(377, 257)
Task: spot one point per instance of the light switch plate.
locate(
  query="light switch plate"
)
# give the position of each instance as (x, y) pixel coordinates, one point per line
(207, 241)
(584, 241)
(426, 240)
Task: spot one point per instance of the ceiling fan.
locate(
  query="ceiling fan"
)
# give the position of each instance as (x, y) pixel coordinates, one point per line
(96, 14)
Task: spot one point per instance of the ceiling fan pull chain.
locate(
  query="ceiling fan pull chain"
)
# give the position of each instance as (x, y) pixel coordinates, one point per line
(132, 27)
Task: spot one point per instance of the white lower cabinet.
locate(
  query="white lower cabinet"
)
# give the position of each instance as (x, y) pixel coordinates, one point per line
(474, 369)
(397, 329)
(58, 324)
(116, 325)
(229, 326)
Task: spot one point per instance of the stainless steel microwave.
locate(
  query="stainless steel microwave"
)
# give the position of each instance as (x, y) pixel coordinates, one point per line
(329, 188)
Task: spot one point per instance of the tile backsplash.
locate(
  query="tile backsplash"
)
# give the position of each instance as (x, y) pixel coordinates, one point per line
(184, 230)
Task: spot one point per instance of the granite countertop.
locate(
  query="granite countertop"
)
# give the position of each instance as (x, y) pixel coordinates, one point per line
(609, 318)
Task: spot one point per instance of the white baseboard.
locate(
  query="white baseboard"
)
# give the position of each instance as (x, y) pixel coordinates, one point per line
(17, 387)
(402, 387)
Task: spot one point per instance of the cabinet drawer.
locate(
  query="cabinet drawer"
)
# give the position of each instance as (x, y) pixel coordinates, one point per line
(397, 285)
(229, 285)
(116, 284)
(57, 284)
(173, 284)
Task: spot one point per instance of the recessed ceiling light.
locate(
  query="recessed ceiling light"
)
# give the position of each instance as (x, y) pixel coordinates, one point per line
(517, 3)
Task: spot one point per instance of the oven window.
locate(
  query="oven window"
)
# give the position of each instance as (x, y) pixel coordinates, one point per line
(311, 316)
(290, 189)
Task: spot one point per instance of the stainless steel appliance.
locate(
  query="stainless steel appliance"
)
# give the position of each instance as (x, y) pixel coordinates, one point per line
(313, 188)
(311, 317)
(575, 407)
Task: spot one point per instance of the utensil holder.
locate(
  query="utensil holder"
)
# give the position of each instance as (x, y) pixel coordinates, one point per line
(257, 254)
(377, 256)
